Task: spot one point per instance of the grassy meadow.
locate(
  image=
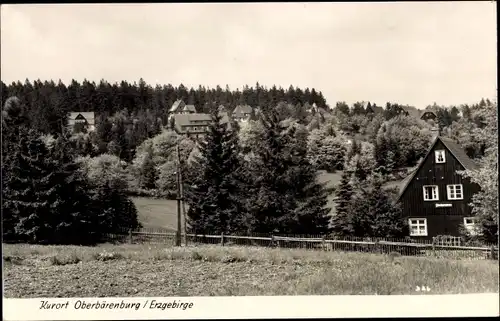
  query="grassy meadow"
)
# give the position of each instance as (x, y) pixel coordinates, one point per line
(162, 213)
(155, 270)
(157, 213)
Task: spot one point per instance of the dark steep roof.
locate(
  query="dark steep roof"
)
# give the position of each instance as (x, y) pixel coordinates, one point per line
(455, 149)
(459, 153)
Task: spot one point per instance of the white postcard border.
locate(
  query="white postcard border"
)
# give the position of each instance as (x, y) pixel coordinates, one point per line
(256, 307)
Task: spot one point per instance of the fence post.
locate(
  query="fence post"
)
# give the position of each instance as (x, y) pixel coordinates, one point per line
(493, 255)
(130, 236)
(323, 243)
(222, 239)
(272, 240)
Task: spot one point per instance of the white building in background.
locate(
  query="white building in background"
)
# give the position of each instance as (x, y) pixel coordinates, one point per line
(83, 119)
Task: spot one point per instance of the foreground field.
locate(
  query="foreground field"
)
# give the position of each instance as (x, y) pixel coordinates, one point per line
(141, 270)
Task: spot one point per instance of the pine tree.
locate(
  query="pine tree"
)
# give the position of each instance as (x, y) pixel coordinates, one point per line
(359, 171)
(27, 196)
(341, 220)
(71, 217)
(284, 196)
(374, 214)
(14, 118)
(309, 214)
(354, 150)
(213, 199)
(148, 169)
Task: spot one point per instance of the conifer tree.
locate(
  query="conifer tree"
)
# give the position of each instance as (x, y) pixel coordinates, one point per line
(27, 195)
(340, 222)
(354, 150)
(213, 198)
(148, 169)
(71, 217)
(284, 196)
(374, 214)
(309, 214)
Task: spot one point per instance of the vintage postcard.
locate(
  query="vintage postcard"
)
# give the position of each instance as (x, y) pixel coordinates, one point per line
(249, 160)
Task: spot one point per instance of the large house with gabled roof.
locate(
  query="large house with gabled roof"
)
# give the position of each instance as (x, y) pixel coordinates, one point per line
(83, 121)
(242, 112)
(184, 119)
(435, 198)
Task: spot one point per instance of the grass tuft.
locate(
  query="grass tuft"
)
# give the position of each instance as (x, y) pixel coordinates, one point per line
(108, 256)
(65, 259)
(196, 256)
(13, 259)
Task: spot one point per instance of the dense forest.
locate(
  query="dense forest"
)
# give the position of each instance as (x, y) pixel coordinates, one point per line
(137, 110)
(49, 100)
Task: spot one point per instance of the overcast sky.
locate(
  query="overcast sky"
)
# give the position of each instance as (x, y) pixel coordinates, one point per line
(410, 53)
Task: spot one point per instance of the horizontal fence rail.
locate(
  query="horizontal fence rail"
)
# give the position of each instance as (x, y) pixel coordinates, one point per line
(406, 247)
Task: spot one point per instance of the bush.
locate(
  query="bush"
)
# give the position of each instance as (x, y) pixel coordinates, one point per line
(62, 259)
(108, 256)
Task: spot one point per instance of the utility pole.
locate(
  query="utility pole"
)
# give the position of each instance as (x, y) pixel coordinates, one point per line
(183, 210)
(181, 193)
(179, 197)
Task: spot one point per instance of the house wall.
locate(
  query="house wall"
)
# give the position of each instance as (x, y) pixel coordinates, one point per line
(441, 220)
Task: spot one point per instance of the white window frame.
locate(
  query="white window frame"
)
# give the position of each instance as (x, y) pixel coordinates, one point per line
(451, 190)
(424, 233)
(431, 198)
(471, 227)
(440, 152)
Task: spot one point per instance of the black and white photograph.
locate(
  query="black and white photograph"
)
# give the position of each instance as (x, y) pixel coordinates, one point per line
(294, 149)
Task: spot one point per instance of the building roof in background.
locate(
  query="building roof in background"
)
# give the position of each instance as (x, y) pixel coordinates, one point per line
(225, 116)
(177, 106)
(189, 108)
(88, 115)
(190, 119)
(412, 111)
(376, 109)
(432, 108)
(240, 110)
(182, 120)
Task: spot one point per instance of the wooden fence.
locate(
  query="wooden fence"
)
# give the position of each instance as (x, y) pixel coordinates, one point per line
(407, 247)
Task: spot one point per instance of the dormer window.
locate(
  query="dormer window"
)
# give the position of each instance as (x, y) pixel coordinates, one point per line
(440, 156)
